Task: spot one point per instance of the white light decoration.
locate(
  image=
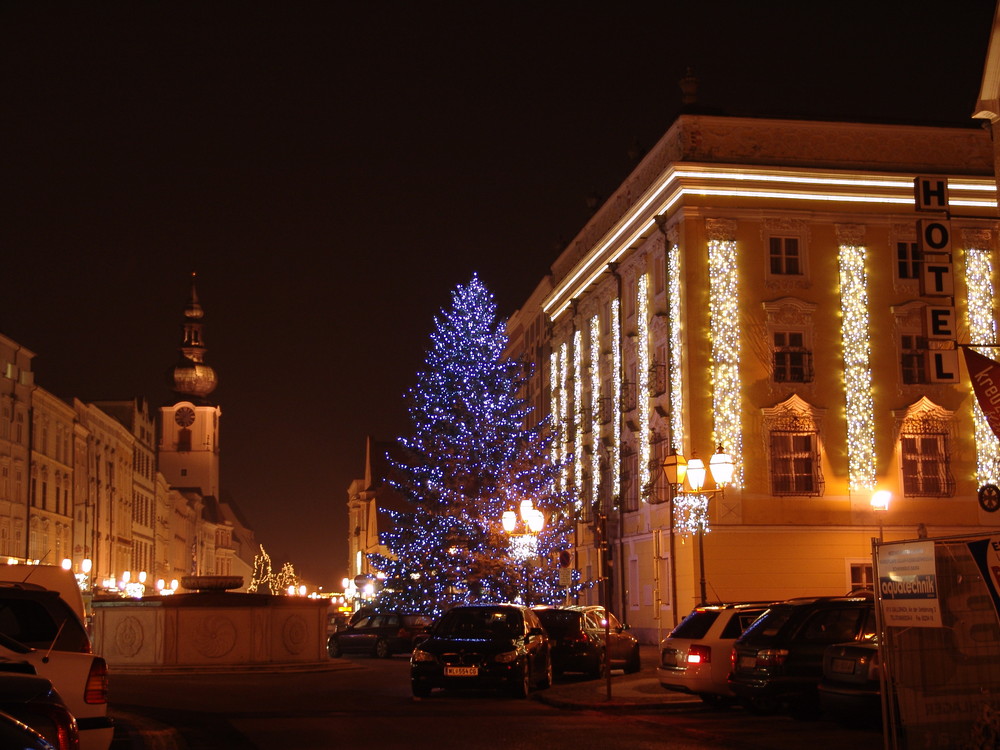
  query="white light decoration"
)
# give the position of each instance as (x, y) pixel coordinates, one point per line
(691, 513)
(642, 387)
(676, 370)
(982, 329)
(554, 404)
(595, 407)
(616, 386)
(857, 368)
(524, 546)
(564, 412)
(723, 300)
(578, 418)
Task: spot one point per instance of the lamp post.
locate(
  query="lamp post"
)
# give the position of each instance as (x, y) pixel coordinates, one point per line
(880, 504)
(677, 468)
(524, 545)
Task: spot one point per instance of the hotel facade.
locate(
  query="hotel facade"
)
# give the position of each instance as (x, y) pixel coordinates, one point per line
(797, 296)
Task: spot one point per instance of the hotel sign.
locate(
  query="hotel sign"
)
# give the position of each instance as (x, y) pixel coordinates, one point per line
(937, 278)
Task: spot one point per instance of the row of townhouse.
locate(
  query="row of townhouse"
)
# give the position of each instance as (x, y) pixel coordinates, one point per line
(768, 289)
(103, 486)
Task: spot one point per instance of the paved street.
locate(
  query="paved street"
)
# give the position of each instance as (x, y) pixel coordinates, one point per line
(366, 702)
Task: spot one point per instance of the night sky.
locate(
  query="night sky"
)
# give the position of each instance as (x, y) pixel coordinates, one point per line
(332, 170)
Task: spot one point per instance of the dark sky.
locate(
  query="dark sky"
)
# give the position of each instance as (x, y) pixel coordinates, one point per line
(332, 170)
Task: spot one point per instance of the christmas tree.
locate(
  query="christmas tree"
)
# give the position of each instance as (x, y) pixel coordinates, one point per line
(471, 465)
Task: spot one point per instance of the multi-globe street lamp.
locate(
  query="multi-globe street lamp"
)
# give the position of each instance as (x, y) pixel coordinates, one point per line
(524, 540)
(694, 501)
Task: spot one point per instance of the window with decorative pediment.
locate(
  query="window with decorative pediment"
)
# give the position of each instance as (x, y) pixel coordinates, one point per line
(792, 431)
(789, 337)
(925, 436)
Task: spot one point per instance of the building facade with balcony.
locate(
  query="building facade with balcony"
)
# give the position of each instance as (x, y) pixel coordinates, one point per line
(767, 286)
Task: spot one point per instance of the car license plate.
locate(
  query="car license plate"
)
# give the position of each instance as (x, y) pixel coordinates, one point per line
(461, 671)
(748, 662)
(842, 666)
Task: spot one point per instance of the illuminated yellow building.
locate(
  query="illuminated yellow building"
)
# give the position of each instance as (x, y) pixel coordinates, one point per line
(764, 286)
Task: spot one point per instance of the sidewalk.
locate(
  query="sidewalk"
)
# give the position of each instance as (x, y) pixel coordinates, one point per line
(629, 692)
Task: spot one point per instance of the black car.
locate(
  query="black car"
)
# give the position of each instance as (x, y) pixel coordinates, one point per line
(850, 692)
(483, 646)
(32, 701)
(380, 634)
(778, 661)
(578, 636)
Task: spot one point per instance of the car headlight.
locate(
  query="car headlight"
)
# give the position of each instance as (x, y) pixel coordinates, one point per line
(421, 655)
(506, 657)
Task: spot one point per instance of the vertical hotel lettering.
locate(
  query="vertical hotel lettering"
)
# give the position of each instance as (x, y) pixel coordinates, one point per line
(938, 278)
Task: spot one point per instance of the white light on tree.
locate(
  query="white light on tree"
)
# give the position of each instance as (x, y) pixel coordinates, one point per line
(642, 355)
(856, 335)
(723, 300)
(982, 330)
(524, 546)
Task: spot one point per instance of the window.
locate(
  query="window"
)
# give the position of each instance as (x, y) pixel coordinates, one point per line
(925, 465)
(913, 358)
(862, 576)
(793, 463)
(792, 360)
(785, 259)
(908, 260)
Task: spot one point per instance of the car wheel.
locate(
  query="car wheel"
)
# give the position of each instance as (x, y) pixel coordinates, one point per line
(762, 705)
(521, 686)
(382, 650)
(547, 677)
(633, 664)
(420, 689)
(333, 648)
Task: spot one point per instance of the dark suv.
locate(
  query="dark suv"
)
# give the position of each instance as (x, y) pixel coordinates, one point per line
(578, 635)
(778, 661)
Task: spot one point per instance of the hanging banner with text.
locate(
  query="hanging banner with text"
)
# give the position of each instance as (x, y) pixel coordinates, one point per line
(985, 376)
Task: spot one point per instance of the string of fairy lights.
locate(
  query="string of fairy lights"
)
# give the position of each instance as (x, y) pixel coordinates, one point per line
(578, 416)
(595, 403)
(642, 357)
(675, 352)
(982, 330)
(855, 332)
(723, 297)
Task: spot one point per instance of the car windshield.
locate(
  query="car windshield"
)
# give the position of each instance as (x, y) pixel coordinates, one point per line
(480, 622)
(31, 623)
(559, 621)
(769, 624)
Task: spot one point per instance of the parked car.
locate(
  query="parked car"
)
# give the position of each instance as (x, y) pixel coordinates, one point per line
(577, 636)
(39, 627)
(778, 661)
(850, 690)
(32, 701)
(380, 634)
(696, 657)
(500, 646)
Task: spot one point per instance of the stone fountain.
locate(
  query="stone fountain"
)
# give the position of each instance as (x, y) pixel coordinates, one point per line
(213, 627)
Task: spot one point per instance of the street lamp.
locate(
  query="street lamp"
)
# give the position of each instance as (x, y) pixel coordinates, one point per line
(524, 545)
(695, 501)
(880, 504)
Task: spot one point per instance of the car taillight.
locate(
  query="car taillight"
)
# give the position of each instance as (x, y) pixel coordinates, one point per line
(771, 657)
(579, 637)
(699, 655)
(97, 682)
(57, 725)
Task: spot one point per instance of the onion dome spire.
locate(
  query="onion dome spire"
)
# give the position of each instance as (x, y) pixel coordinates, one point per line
(191, 377)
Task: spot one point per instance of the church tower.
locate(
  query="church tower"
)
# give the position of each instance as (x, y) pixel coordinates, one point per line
(189, 427)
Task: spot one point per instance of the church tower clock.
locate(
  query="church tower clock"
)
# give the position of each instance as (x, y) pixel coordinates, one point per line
(189, 427)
